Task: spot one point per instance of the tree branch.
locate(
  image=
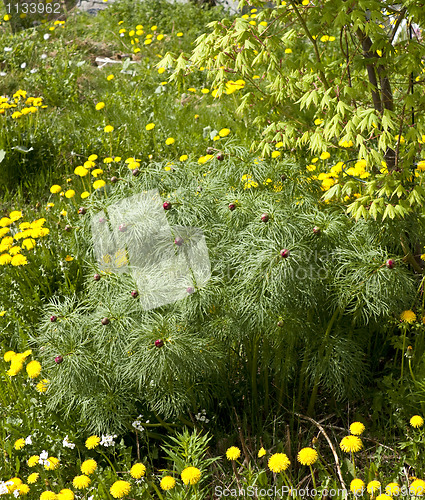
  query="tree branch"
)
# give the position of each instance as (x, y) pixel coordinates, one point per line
(366, 45)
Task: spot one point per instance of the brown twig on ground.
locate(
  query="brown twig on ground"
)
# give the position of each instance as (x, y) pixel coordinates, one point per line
(331, 446)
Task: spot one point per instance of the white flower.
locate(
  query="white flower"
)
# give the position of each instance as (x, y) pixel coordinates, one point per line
(137, 425)
(8, 49)
(43, 56)
(67, 444)
(46, 36)
(16, 493)
(3, 488)
(108, 440)
(33, 70)
(43, 458)
(28, 440)
(2, 73)
(23, 65)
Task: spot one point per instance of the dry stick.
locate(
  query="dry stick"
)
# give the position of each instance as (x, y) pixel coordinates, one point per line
(365, 438)
(322, 430)
(242, 439)
(138, 445)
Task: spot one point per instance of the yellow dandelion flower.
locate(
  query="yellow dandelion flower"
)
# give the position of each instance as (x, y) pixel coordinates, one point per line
(351, 444)
(261, 452)
(100, 105)
(32, 478)
(233, 453)
(408, 316)
(224, 132)
(373, 487)
(325, 155)
(417, 487)
(150, 126)
(357, 428)
(19, 260)
(33, 369)
(42, 385)
(108, 128)
(276, 154)
(278, 462)
(5, 221)
(70, 193)
(357, 486)
(5, 259)
(14, 250)
(92, 442)
(88, 466)
(392, 489)
(170, 141)
(15, 367)
(84, 195)
(66, 494)
(81, 171)
(98, 184)
(110, 77)
(120, 489)
(28, 243)
(183, 157)
(9, 355)
(416, 421)
(23, 489)
(167, 483)
(19, 444)
(33, 460)
(137, 471)
(52, 463)
(48, 495)
(81, 482)
(307, 456)
(15, 215)
(190, 475)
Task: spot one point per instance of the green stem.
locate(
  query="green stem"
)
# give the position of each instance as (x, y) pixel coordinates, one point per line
(313, 478)
(322, 348)
(402, 352)
(155, 487)
(110, 463)
(411, 371)
(254, 388)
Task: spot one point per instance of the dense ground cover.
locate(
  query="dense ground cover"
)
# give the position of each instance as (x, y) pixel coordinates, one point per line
(312, 316)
